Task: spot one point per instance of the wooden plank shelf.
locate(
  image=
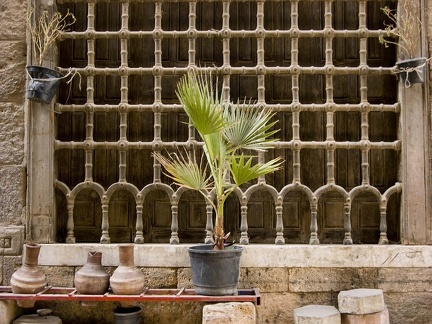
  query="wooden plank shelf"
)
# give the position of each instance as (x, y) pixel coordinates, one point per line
(148, 295)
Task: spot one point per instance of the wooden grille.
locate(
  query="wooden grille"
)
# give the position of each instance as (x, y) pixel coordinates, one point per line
(318, 64)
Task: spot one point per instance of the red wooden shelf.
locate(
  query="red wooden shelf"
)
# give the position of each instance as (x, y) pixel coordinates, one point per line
(148, 295)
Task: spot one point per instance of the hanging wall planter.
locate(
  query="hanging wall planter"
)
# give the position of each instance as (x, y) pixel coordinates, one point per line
(45, 31)
(43, 84)
(412, 71)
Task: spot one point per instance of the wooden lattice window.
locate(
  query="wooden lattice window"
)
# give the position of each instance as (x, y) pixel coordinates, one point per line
(318, 64)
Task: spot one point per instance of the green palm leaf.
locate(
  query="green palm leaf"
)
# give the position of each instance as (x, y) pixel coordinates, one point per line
(201, 103)
(243, 170)
(184, 171)
(250, 127)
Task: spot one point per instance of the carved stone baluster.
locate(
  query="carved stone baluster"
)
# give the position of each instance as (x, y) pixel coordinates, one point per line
(244, 238)
(105, 223)
(174, 225)
(314, 224)
(383, 224)
(139, 237)
(279, 225)
(209, 225)
(70, 236)
(347, 222)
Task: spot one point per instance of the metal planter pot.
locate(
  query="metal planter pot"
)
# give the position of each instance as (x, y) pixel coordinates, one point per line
(131, 315)
(412, 70)
(215, 273)
(43, 83)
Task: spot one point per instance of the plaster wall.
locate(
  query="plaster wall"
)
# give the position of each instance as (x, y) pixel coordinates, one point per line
(288, 276)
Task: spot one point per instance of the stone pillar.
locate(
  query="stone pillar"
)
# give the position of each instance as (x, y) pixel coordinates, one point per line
(225, 313)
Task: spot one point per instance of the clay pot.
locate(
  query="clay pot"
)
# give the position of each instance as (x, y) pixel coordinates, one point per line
(92, 279)
(29, 278)
(127, 279)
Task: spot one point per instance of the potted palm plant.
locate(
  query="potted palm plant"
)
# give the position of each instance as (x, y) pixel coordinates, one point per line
(227, 131)
(406, 27)
(44, 32)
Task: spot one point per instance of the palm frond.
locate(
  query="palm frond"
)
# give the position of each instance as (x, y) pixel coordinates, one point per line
(201, 103)
(243, 170)
(184, 171)
(250, 127)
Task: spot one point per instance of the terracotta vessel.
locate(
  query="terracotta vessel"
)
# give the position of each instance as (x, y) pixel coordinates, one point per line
(127, 279)
(29, 278)
(92, 279)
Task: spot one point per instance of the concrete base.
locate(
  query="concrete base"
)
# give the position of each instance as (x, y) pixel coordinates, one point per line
(225, 313)
(317, 314)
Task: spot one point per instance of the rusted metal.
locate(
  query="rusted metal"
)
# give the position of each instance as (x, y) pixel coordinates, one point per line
(148, 295)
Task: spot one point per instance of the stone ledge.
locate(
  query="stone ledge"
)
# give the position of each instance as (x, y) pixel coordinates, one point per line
(255, 255)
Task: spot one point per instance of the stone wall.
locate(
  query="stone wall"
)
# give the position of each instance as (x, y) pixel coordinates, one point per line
(13, 53)
(407, 293)
(288, 277)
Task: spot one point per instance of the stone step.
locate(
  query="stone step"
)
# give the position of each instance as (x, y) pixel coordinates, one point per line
(361, 301)
(317, 314)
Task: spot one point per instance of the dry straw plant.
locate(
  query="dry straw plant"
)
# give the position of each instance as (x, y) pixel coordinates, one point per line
(405, 25)
(46, 30)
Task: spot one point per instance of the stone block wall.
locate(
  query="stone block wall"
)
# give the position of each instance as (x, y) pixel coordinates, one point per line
(282, 291)
(13, 57)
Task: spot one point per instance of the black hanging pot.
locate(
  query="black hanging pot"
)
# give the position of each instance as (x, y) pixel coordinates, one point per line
(412, 70)
(43, 83)
(215, 273)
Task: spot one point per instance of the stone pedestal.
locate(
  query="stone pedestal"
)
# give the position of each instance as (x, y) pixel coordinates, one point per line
(361, 301)
(317, 314)
(225, 313)
(374, 318)
(363, 306)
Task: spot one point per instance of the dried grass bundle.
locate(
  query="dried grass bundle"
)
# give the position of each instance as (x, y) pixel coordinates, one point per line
(405, 25)
(46, 30)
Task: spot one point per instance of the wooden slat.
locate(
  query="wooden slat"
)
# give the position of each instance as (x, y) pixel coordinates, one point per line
(149, 295)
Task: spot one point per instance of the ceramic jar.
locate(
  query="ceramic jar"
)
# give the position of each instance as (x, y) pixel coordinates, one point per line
(29, 278)
(127, 279)
(92, 279)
